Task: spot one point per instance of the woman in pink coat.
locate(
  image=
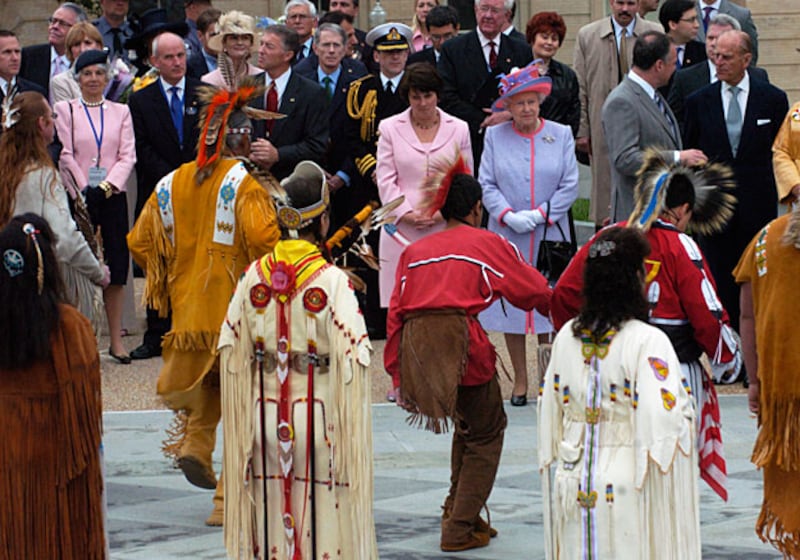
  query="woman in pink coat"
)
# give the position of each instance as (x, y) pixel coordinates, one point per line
(410, 145)
(97, 158)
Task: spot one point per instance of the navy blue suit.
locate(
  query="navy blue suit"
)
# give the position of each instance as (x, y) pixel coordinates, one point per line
(756, 191)
(303, 132)
(337, 156)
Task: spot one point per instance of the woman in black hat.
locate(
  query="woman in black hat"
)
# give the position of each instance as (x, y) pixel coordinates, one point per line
(97, 159)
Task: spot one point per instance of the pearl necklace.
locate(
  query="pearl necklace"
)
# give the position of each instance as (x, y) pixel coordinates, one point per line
(93, 103)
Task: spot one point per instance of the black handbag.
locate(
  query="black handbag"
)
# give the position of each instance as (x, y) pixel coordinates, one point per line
(554, 256)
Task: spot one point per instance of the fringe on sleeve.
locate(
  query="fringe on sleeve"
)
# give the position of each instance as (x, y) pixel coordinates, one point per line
(150, 246)
(236, 380)
(350, 351)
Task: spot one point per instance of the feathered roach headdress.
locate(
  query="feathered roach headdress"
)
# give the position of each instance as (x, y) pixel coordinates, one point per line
(218, 104)
(436, 185)
(713, 189)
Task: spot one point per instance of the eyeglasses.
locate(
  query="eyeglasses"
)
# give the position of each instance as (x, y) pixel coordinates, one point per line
(689, 20)
(489, 10)
(59, 22)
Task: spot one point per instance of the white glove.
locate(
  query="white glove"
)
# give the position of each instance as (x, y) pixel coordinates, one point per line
(520, 222)
(538, 216)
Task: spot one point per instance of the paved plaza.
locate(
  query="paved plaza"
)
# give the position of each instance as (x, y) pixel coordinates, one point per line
(155, 514)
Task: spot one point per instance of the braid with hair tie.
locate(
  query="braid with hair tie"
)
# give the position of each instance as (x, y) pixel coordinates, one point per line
(30, 230)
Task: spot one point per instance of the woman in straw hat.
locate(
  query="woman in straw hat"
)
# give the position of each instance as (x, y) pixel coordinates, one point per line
(235, 42)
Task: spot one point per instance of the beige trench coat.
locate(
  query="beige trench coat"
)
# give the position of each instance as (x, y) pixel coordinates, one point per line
(597, 66)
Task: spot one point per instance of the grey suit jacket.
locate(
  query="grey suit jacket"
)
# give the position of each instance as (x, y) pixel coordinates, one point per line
(742, 15)
(633, 122)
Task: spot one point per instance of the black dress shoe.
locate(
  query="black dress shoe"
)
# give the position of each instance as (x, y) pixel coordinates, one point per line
(144, 352)
(519, 400)
(121, 358)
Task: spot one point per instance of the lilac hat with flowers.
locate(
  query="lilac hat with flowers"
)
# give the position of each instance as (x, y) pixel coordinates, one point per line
(521, 80)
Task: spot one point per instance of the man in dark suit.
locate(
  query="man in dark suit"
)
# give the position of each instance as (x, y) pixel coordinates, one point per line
(164, 142)
(508, 27)
(204, 60)
(707, 9)
(42, 62)
(470, 65)
(10, 57)
(680, 22)
(334, 73)
(302, 134)
(688, 80)
(442, 23)
(361, 50)
(735, 121)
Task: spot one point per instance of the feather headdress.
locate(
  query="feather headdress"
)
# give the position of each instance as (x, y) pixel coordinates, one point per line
(217, 106)
(713, 186)
(436, 185)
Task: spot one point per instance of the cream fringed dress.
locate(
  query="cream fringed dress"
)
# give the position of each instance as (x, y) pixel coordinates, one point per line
(319, 308)
(40, 192)
(617, 425)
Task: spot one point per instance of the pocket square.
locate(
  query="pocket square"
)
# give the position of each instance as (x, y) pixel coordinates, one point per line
(762, 122)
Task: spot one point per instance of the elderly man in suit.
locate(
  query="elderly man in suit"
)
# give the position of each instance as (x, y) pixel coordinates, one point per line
(10, 57)
(707, 9)
(334, 73)
(301, 15)
(281, 144)
(735, 121)
(442, 24)
(470, 64)
(688, 80)
(42, 62)
(603, 52)
(637, 117)
(165, 125)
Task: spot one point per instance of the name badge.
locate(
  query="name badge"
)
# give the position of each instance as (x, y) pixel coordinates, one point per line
(96, 176)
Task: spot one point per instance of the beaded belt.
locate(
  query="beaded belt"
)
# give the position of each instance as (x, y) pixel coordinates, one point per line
(299, 361)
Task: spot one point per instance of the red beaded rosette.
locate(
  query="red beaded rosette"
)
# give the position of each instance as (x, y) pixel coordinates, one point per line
(259, 296)
(315, 299)
(282, 279)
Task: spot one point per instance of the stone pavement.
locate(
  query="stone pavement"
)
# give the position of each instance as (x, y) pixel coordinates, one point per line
(155, 514)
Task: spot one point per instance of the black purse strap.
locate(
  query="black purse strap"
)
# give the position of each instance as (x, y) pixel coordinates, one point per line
(573, 242)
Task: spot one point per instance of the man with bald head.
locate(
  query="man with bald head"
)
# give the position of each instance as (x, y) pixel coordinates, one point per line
(165, 123)
(735, 121)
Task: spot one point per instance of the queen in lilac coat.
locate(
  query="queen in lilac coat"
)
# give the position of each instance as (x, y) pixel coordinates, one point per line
(528, 165)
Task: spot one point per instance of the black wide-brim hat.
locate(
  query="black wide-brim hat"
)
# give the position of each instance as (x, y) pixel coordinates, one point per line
(152, 23)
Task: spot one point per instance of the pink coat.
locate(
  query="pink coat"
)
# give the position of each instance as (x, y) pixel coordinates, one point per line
(403, 164)
(118, 150)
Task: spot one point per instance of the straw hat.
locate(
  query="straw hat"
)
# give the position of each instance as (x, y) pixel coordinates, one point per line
(233, 23)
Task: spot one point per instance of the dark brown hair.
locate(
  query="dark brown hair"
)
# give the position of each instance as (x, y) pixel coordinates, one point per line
(420, 76)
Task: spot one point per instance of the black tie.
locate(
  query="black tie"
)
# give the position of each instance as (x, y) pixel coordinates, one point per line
(117, 42)
(389, 86)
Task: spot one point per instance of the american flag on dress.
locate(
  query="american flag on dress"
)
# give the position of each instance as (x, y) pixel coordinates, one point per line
(712, 458)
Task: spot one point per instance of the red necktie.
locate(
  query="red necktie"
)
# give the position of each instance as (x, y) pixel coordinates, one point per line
(272, 104)
(492, 55)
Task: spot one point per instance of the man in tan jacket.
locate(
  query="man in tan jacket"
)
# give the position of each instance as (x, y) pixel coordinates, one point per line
(601, 64)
